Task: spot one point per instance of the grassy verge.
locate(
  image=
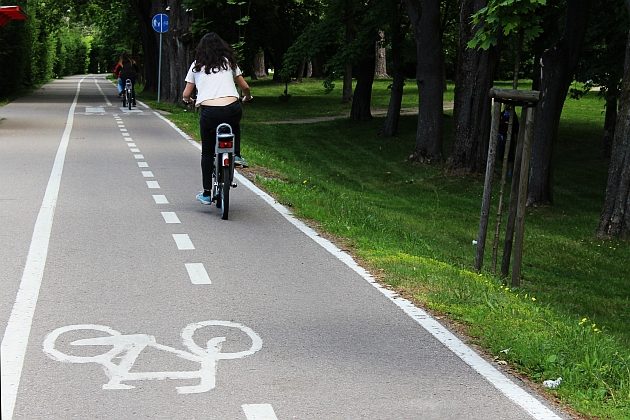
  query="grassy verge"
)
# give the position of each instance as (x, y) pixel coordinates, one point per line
(412, 225)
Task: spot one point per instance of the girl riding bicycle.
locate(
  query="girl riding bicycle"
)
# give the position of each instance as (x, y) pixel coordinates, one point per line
(215, 74)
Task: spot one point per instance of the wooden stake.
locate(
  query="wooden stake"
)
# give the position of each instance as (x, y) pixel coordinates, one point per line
(487, 187)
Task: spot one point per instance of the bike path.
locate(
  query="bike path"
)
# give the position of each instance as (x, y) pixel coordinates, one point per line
(134, 256)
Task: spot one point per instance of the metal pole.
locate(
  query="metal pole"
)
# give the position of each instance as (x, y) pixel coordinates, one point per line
(160, 68)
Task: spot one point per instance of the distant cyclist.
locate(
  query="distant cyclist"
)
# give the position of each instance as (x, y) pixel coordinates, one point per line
(126, 68)
(215, 74)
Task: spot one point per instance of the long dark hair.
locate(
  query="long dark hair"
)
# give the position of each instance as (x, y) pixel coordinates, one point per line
(215, 54)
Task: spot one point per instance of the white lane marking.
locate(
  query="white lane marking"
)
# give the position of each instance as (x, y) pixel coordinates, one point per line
(123, 129)
(15, 339)
(107, 102)
(125, 134)
(160, 199)
(153, 184)
(127, 139)
(134, 150)
(502, 383)
(138, 156)
(122, 351)
(259, 412)
(183, 242)
(94, 109)
(143, 165)
(197, 273)
(170, 217)
(130, 144)
(147, 174)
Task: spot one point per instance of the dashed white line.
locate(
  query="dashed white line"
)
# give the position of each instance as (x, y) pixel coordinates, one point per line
(183, 242)
(170, 217)
(197, 273)
(125, 134)
(147, 174)
(143, 165)
(160, 199)
(127, 139)
(153, 184)
(131, 144)
(138, 156)
(259, 412)
(134, 150)
(123, 129)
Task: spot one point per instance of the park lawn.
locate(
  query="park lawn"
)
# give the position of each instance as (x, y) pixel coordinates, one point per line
(413, 225)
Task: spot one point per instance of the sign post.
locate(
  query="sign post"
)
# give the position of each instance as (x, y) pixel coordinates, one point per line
(160, 25)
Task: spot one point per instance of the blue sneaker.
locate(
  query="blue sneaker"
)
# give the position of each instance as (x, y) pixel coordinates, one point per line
(204, 200)
(239, 161)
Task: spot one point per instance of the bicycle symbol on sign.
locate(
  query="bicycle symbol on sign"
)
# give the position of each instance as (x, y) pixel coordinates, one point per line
(127, 348)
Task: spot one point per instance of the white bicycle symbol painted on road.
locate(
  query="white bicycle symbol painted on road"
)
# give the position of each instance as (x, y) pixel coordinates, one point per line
(127, 348)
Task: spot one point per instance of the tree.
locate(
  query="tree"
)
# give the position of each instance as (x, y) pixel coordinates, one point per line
(425, 19)
(396, 31)
(476, 69)
(615, 217)
(558, 63)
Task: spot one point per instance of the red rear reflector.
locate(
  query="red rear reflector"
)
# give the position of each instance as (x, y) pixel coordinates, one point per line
(226, 162)
(225, 144)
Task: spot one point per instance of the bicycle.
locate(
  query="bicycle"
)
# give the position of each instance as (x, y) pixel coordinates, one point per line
(223, 170)
(128, 96)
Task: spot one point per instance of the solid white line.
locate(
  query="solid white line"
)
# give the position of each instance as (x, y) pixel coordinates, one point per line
(170, 217)
(143, 165)
(138, 156)
(259, 412)
(197, 273)
(16, 335)
(134, 150)
(153, 184)
(160, 199)
(147, 174)
(102, 93)
(502, 383)
(183, 242)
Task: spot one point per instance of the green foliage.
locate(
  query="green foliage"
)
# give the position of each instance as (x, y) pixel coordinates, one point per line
(505, 18)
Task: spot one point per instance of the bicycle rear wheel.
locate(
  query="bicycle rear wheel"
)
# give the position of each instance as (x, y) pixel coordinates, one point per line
(224, 185)
(129, 100)
(124, 98)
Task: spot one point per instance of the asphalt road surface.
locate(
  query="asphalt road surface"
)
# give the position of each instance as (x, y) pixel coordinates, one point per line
(124, 298)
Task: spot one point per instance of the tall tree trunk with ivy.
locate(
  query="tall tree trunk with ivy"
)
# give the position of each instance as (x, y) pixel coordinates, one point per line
(176, 52)
(425, 19)
(615, 218)
(144, 10)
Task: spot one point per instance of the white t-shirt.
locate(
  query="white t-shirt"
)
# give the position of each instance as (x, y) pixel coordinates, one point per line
(213, 85)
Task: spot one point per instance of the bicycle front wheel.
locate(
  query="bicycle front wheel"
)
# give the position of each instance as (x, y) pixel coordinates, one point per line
(129, 100)
(225, 184)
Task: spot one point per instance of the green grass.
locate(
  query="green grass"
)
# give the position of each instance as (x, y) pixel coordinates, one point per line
(412, 225)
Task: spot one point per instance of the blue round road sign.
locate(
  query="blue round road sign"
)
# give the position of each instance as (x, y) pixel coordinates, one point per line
(160, 23)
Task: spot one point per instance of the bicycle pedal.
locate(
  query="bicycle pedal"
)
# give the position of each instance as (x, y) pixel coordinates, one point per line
(234, 185)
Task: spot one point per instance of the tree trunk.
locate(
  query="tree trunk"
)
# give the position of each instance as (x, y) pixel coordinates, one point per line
(176, 53)
(346, 93)
(425, 18)
(390, 126)
(259, 65)
(380, 68)
(558, 66)
(145, 9)
(615, 218)
(362, 98)
(475, 74)
(610, 120)
(309, 69)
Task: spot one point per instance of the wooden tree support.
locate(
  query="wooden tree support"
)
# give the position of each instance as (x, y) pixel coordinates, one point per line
(527, 100)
